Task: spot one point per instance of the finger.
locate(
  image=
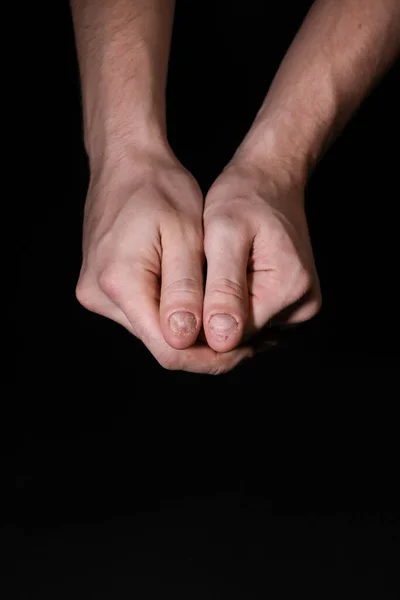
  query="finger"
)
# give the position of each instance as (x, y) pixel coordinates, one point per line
(136, 292)
(181, 301)
(226, 297)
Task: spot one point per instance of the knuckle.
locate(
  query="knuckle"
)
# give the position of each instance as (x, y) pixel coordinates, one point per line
(227, 287)
(86, 295)
(187, 285)
(110, 281)
(223, 225)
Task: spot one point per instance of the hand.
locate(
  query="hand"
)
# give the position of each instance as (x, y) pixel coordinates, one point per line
(143, 259)
(260, 266)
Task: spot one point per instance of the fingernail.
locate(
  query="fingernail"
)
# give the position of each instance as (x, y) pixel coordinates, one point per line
(223, 326)
(183, 323)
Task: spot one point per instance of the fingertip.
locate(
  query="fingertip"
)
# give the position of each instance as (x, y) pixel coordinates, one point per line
(181, 329)
(223, 332)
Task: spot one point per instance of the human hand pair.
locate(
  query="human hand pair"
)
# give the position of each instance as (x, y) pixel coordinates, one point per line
(148, 236)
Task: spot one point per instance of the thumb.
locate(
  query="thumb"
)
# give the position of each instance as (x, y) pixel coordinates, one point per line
(181, 300)
(226, 296)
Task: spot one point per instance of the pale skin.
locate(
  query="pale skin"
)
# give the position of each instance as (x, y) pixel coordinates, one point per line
(147, 229)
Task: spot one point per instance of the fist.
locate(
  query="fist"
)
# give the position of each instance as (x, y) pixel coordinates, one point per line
(260, 266)
(143, 259)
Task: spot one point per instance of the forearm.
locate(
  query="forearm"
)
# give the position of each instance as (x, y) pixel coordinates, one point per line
(123, 49)
(337, 56)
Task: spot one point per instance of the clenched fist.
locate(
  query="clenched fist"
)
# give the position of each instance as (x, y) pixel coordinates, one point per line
(143, 259)
(260, 266)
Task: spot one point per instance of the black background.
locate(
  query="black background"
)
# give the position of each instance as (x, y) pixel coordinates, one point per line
(112, 486)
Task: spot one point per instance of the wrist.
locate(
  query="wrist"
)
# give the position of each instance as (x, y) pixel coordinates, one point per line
(264, 152)
(115, 141)
(290, 141)
(130, 157)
